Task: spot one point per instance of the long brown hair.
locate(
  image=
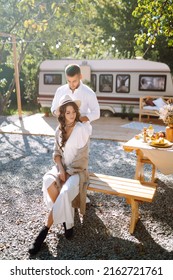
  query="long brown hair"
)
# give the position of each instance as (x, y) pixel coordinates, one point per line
(61, 119)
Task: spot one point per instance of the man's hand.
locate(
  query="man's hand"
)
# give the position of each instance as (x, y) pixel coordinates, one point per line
(84, 119)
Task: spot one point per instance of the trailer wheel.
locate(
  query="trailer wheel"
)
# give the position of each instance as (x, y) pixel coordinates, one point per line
(106, 113)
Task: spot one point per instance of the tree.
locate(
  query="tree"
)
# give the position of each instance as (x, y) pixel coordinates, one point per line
(156, 19)
(27, 20)
(157, 53)
(118, 27)
(46, 30)
(50, 29)
(81, 29)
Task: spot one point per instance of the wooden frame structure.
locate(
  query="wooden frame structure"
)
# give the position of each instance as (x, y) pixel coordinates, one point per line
(16, 71)
(144, 111)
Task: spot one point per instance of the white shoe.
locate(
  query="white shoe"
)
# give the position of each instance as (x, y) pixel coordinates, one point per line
(87, 200)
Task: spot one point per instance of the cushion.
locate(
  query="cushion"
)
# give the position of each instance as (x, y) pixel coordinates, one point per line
(159, 102)
(149, 102)
(151, 108)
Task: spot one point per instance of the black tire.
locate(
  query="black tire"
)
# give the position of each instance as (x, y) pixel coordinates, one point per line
(106, 113)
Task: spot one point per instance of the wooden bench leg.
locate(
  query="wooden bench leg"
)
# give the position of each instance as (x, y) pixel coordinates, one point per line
(153, 173)
(134, 215)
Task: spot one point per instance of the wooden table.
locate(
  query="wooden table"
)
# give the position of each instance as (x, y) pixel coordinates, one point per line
(159, 158)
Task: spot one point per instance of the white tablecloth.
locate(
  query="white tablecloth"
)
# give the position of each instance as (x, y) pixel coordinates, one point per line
(161, 157)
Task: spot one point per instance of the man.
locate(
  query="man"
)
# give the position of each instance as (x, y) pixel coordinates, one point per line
(89, 108)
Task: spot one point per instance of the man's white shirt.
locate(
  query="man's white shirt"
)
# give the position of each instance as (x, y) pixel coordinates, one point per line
(89, 104)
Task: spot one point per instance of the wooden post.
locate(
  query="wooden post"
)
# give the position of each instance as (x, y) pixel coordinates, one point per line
(16, 74)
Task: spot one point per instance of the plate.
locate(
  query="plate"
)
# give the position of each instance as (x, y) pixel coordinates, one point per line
(155, 142)
(157, 145)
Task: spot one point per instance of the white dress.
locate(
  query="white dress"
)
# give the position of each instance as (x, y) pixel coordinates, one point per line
(62, 208)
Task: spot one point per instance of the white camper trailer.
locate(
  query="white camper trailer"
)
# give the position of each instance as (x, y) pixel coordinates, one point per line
(115, 82)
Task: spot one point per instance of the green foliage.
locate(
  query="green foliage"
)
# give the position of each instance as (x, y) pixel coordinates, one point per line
(130, 109)
(45, 109)
(156, 19)
(91, 29)
(131, 112)
(123, 108)
(118, 27)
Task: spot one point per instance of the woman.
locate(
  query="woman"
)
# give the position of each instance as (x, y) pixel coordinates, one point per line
(65, 184)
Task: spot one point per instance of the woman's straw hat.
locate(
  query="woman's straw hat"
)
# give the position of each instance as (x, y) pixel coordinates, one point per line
(65, 100)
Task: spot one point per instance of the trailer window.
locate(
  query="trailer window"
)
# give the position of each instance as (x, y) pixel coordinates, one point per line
(123, 83)
(105, 83)
(93, 82)
(152, 82)
(52, 79)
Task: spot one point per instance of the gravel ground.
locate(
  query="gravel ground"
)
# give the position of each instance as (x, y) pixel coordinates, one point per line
(104, 232)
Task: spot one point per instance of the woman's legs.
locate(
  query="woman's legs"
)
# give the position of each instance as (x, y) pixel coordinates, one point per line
(39, 241)
(63, 212)
(53, 193)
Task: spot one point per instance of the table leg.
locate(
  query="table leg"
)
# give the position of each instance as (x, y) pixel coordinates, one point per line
(139, 166)
(141, 160)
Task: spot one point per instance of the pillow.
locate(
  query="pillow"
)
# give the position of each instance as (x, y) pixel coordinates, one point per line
(159, 102)
(151, 108)
(149, 102)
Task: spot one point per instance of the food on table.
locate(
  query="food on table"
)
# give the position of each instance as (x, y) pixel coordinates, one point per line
(161, 134)
(137, 137)
(160, 141)
(158, 135)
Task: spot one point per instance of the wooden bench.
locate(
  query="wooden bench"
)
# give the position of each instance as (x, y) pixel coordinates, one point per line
(133, 190)
(144, 110)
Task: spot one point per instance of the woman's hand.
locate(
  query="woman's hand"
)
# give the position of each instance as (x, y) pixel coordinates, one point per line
(62, 174)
